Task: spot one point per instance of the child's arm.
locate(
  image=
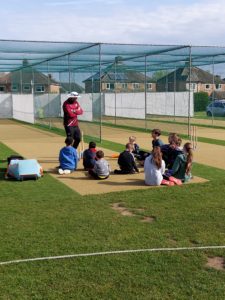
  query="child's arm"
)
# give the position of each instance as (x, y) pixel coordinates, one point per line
(75, 158)
(135, 166)
(60, 155)
(136, 148)
(176, 166)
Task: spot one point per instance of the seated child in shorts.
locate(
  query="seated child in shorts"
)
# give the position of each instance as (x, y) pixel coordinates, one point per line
(126, 161)
(67, 157)
(89, 156)
(101, 168)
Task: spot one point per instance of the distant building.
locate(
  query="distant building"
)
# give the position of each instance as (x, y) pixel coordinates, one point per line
(201, 81)
(119, 78)
(28, 80)
(67, 87)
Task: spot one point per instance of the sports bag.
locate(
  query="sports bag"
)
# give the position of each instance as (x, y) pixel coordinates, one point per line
(14, 156)
(24, 169)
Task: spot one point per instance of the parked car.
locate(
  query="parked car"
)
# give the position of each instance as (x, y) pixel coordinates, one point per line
(216, 108)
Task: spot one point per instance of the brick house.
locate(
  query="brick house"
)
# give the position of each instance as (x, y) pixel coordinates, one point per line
(26, 81)
(201, 81)
(119, 78)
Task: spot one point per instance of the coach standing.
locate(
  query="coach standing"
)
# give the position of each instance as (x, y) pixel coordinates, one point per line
(72, 109)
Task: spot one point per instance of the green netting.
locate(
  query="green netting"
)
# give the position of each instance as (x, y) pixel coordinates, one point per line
(132, 85)
(88, 55)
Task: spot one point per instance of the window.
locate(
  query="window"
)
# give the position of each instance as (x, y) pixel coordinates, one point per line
(193, 86)
(110, 86)
(149, 86)
(2, 88)
(39, 88)
(136, 85)
(220, 105)
(15, 88)
(124, 85)
(207, 86)
(26, 87)
(218, 86)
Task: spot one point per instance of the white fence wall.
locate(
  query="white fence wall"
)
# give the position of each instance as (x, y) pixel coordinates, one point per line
(128, 105)
(85, 102)
(132, 105)
(23, 107)
(170, 104)
(6, 106)
(47, 105)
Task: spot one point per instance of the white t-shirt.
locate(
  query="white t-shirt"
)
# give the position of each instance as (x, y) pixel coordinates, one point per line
(153, 175)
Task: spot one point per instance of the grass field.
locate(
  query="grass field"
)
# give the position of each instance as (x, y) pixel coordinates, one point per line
(45, 218)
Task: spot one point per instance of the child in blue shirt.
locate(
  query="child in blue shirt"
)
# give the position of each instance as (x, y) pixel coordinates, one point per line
(68, 157)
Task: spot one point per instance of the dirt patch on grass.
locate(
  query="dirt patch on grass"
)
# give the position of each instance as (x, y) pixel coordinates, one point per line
(148, 219)
(119, 207)
(124, 211)
(216, 262)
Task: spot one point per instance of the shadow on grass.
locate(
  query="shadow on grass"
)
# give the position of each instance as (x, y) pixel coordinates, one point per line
(2, 173)
(131, 182)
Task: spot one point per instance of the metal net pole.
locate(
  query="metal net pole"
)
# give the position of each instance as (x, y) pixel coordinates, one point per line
(189, 100)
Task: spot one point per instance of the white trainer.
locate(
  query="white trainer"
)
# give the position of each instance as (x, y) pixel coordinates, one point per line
(67, 171)
(60, 171)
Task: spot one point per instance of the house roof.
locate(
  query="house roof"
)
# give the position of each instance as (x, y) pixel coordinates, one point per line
(119, 72)
(68, 87)
(27, 75)
(197, 75)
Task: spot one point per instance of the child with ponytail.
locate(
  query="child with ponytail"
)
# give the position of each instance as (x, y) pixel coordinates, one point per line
(181, 168)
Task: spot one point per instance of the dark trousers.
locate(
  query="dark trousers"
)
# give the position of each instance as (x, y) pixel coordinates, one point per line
(74, 132)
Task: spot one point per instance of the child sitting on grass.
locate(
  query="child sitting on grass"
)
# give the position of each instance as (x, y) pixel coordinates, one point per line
(101, 168)
(89, 156)
(136, 148)
(154, 167)
(126, 161)
(181, 168)
(67, 157)
(172, 150)
(156, 142)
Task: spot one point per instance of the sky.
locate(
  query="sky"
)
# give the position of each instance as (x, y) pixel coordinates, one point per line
(200, 22)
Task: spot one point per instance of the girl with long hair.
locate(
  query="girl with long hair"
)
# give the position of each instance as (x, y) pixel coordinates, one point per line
(181, 168)
(154, 167)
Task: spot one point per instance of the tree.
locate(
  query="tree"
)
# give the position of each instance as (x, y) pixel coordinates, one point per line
(201, 100)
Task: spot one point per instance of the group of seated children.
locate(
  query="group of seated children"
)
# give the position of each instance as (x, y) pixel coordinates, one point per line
(93, 161)
(167, 164)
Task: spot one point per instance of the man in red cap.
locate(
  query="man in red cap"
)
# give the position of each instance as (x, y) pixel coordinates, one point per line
(72, 109)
